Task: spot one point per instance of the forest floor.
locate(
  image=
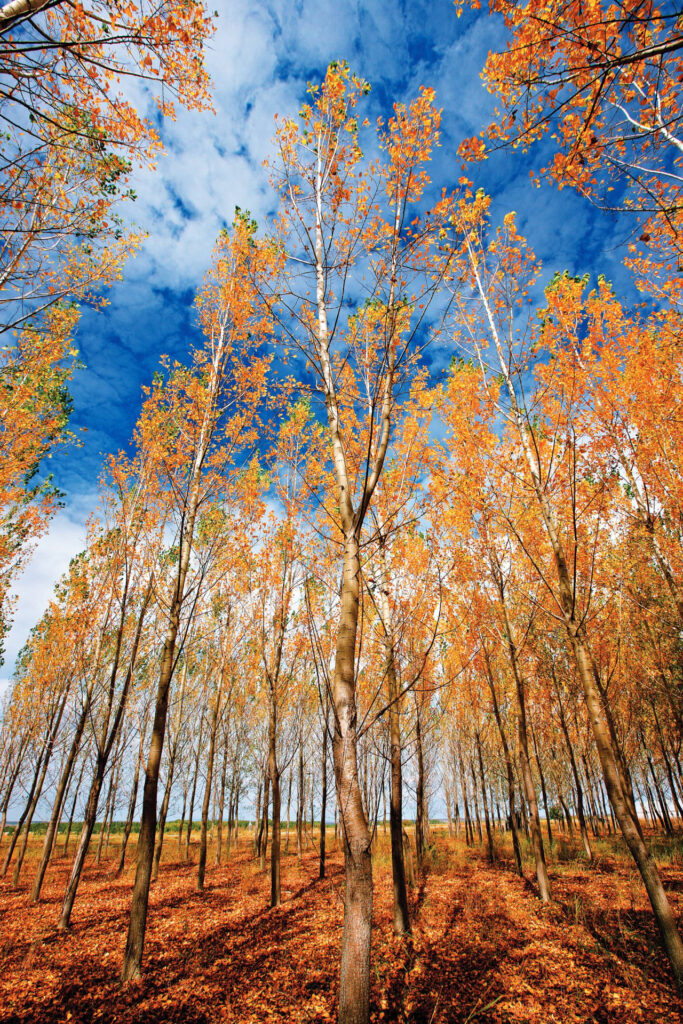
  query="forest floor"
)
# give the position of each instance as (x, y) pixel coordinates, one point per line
(483, 950)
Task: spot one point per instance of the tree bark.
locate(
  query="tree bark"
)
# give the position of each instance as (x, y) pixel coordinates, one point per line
(130, 817)
(489, 836)
(65, 848)
(323, 794)
(420, 846)
(400, 902)
(577, 784)
(300, 800)
(201, 866)
(193, 791)
(34, 794)
(544, 792)
(274, 773)
(525, 761)
(221, 805)
(509, 769)
(161, 824)
(354, 987)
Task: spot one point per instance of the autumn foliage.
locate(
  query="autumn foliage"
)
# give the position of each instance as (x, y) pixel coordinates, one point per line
(327, 584)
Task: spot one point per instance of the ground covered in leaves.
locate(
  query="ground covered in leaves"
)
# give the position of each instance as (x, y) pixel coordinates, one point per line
(484, 949)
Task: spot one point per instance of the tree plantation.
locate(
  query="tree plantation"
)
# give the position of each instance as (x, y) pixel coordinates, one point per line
(364, 698)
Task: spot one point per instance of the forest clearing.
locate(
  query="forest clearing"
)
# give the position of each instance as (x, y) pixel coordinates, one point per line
(484, 948)
(364, 507)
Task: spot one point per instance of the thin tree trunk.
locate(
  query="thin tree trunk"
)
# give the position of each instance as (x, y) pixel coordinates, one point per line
(289, 805)
(65, 848)
(181, 826)
(221, 805)
(489, 836)
(525, 761)
(36, 790)
(274, 774)
(14, 775)
(130, 817)
(475, 801)
(60, 797)
(262, 842)
(300, 800)
(420, 850)
(323, 794)
(449, 812)
(400, 901)
(544, 792)
(109, 803)
(577, 784)
(509, 769)
(206, 803)
(163, 814)
(354, 987)
(231, 813)
(193, 791)
(469, 833)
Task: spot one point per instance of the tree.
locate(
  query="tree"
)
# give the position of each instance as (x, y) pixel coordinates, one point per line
(34, 415)
(195, 426)
(548, 452)
(71, 137)
(333, 225)
(604, 80)
(69, 143)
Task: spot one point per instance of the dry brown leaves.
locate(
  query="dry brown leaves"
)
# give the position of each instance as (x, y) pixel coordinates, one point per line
(484, 949)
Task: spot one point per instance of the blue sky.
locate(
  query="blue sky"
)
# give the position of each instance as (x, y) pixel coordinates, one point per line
(260, 60)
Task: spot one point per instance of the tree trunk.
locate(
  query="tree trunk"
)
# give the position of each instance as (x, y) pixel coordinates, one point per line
(289, 805)
(577, 784)
(109, 803)
(489, 836)
(65, 848)
(509, 768)
(14, 775)
(475, 801)
(300, 800)
(544, 792)
(354, 987)
(469, 833)
(60, 797)
(132, 959)
(35, 790)
(400, 903)
(89, 819)
(449, 811)
(206, 803)
(221, 805)
(237, 814)
(130, 817)
(108, 737)
(231, 813)
(525, 761)
(274, 773)
(323, 794)
(420, 849)
(163, 814)
(262, 835)
(181, 826)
